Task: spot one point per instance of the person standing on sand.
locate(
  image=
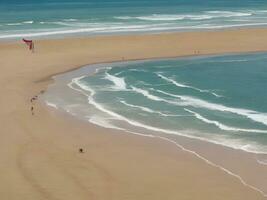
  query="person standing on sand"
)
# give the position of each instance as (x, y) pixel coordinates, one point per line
(81, 150)
(32, 110)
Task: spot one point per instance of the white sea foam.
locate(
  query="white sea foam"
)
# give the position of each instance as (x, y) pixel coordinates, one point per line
(228, 13)
(51, 104)
(134, 123)
(51, 32)
(164, 17)
(28, 22)
(150, 110)
(119, 83)
(220, 140)
(170, 80)
(70, 20)
(137, 70)
(150, 23)
(213, 26)
(262, 162)
(14, 24)
(199, 103)
(82, 86)
(89, 29)
(100, 121)
(174, 17)
(216, 95)
(150, 96)
(129, 121)
(174, 82)
(222, 126)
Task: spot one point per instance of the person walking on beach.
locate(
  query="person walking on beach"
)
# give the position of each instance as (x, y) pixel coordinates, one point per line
(32, 110)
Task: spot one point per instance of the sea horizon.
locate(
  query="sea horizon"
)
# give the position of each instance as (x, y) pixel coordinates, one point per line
(81, 18)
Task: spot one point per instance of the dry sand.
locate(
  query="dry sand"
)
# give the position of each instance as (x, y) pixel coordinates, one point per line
(39, 156)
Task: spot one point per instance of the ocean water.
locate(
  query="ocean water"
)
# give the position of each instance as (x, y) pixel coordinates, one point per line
(219, 99)
(31, 18)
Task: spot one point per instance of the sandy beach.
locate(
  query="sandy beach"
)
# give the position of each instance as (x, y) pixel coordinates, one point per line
(39, 153)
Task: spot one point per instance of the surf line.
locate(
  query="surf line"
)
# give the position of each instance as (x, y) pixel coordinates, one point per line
(261, 162)
(178, 145)
(205, 160)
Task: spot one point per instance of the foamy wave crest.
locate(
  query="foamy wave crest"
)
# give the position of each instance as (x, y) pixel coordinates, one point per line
(123, 17)
(28, 22)
(92, 30)
(85, 28)
(202, 16)
(185, 86)
(146, 94)
(81, 85)
(212, 26)
(219, 141)
(149, 110)
(222, 126)
(164, 17)
(137, 70)
(228, 13)
(14, 24)
(70, 20)
(119, 83)
(199, 103)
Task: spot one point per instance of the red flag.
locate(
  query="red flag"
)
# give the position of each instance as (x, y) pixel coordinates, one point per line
(29, 43)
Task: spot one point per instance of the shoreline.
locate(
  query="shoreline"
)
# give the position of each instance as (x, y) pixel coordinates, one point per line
(51, 76)
(93, 68)
(216, 52)
(42, 157)
(197, 147)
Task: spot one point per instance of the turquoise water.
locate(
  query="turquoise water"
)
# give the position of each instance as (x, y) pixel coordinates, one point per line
(220, 99)
(31, 18)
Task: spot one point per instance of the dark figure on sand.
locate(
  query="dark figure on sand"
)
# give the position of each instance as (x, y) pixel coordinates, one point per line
(34, 98)
(32, 110)
(81, 150)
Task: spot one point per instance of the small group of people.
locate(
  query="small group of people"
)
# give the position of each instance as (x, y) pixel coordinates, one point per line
(32, 101)
(30, 44)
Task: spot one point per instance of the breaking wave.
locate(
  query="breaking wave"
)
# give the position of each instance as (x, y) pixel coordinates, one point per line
(119, 83)
(150, 110)
(174, 17)
(199, 103)
(184, 85)
(222, 126)
(84, 88)
(210, 19)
